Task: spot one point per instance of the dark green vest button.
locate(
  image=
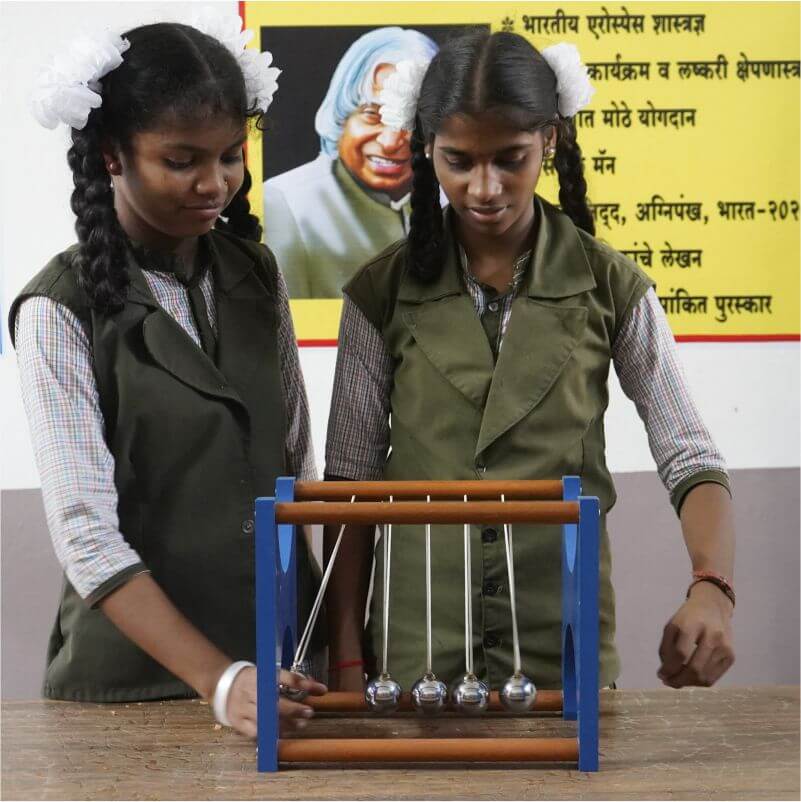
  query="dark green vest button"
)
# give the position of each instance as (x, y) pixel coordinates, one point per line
(491, 641)
(491, 588)
(489, 535)
(247, 526)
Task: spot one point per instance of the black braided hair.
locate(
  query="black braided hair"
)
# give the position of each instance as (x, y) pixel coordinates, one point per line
(572, 186)
(425, 224)
(237, 217)
(100, 259)
(173, 71)
(475, 73)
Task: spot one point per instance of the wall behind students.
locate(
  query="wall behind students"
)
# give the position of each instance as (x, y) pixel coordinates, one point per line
(748, 393)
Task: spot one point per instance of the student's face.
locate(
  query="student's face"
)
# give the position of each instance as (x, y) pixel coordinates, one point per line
(489, 170)
(375, 155)
(176, 179)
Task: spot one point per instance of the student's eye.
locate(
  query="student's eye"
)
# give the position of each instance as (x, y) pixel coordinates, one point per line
(456, 164)
(232, 158)
(510, 164)
(177, 165)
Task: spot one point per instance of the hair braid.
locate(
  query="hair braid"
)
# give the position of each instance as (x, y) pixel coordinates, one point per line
(240, 220)
(572, 186)
(100, 261)
(425, 223)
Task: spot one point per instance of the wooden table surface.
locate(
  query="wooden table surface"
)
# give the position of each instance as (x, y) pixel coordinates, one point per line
(740, 743)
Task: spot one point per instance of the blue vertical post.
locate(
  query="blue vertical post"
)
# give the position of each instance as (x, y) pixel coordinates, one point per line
(266, 645)
(586, 636)
(286, 571)
(571, 490)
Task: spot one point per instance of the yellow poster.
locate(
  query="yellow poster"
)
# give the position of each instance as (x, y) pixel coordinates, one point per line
(691, 146)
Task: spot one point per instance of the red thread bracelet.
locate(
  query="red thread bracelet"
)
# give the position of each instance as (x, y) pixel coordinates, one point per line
(718, 580)
(346, 664)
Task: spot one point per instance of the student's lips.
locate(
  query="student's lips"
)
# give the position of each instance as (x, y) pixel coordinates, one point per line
(486, 214)
(382, 166)
(205, 212)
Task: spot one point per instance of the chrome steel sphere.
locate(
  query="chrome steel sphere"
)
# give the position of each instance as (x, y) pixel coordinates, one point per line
(470, 695)
(383, 694)
(518, 693)
(295, 694)
(429, 695)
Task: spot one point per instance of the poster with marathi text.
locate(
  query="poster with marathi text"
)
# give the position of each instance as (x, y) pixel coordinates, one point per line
(691, 142)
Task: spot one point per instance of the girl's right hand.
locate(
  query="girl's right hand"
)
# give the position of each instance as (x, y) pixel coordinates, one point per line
(242, 702)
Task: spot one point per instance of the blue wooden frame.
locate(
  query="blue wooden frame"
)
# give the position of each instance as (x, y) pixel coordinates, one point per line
(277, 625)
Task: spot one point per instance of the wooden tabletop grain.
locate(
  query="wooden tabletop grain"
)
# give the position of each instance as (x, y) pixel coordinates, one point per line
(740, 743)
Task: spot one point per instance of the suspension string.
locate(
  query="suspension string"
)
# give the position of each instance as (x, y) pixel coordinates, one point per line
(510, 564)
(303, 643)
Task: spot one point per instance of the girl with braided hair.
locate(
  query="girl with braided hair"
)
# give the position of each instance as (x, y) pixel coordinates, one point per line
(160, 372)
(479, 348)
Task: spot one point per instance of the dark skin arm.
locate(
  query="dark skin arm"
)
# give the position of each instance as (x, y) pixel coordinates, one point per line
(696, 647)
(143, 613)
(346, 600)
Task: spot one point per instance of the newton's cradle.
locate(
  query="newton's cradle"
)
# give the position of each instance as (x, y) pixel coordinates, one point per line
(425, 503)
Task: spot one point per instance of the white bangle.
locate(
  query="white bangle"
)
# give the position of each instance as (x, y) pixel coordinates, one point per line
(224, 683)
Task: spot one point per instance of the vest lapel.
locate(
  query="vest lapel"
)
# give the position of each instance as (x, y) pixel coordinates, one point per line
(171, 347)
(444, 324)
(541, 337)
(246, 323)
(537, 346)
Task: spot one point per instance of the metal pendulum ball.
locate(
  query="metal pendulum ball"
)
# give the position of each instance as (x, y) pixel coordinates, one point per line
(299, 694)
(469, 695)
(518, 692)
(429, 694)
(383, 693)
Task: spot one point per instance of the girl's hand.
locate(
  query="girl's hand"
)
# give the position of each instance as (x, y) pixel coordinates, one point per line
(242, 702)
(696, 646)
(295, 715)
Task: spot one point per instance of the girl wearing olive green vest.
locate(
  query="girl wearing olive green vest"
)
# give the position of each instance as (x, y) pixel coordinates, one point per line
(160, 374)
(479, 348)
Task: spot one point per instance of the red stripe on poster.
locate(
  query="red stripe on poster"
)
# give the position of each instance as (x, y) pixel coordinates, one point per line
(684, 338)
(737, 338)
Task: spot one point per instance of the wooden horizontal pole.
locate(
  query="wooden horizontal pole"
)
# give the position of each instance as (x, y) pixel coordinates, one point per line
(353, 702)
(436, 512)
(518, 489)
(417, 750)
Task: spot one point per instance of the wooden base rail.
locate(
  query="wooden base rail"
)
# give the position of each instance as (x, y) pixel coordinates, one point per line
(417, 750)
(353, 702)
(521, 489)
(435, 512)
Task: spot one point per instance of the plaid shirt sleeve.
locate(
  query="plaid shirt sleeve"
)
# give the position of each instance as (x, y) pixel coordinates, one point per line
(647, 364)
(60, 397)
(299, 447)
(358, 426)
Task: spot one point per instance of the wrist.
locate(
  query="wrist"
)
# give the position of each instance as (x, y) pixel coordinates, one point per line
(222, 689)
(208, 682)
(711, 590)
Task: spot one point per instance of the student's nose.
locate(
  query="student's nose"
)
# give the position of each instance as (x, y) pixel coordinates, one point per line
(484, 185)
(391, 141)
(212, 182)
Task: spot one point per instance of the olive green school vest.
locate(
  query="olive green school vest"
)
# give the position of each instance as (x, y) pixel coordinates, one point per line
(194, 443)
(536, 414)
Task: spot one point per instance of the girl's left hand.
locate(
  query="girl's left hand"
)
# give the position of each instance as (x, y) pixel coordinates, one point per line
(696, 647)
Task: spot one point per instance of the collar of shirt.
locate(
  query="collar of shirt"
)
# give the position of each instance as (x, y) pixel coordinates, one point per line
(151, 260)
(482, 293)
